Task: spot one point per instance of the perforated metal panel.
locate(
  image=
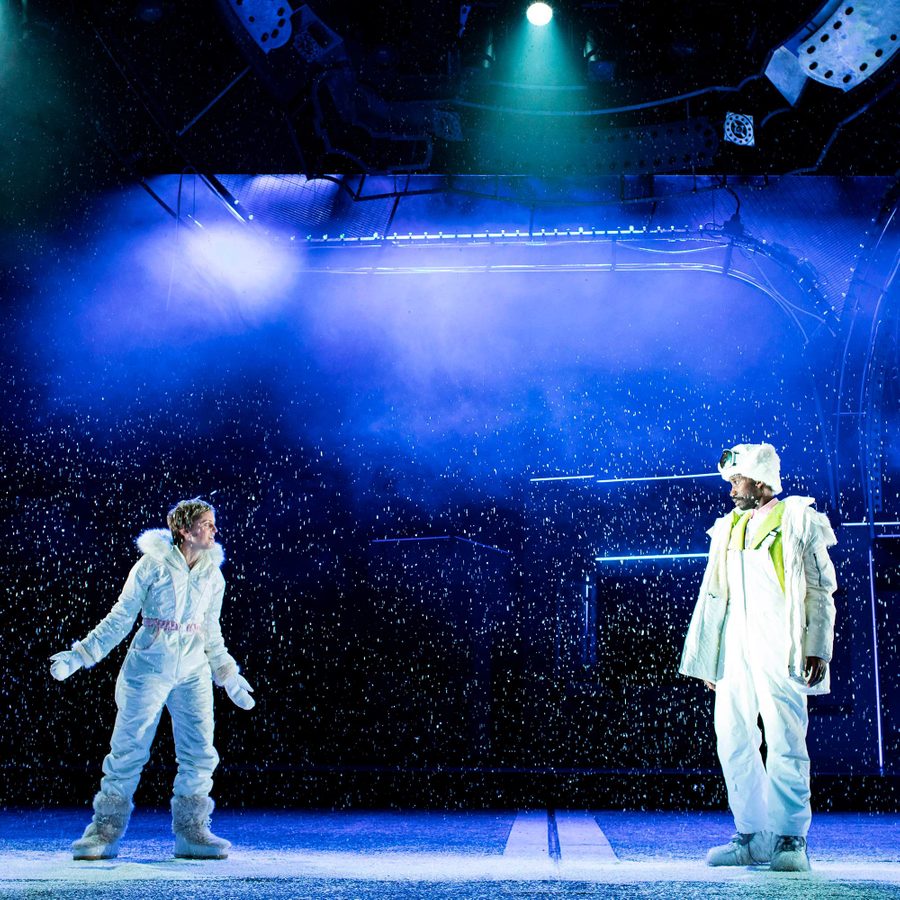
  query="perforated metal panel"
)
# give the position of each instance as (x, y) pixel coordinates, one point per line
(267, 21)
(855, 41)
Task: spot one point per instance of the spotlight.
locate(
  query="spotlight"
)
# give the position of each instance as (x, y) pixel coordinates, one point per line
(539, 13)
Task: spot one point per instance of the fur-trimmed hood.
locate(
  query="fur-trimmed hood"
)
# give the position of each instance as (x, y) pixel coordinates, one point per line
(157, 544)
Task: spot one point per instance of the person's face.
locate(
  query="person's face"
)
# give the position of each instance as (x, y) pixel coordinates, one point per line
(202, 534)
(745, 493)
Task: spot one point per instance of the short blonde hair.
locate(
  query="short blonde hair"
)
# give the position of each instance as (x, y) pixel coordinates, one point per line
(184, 514)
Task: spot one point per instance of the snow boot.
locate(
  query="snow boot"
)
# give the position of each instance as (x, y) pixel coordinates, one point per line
(790, 854)
(190, 825)
(101, 838)
(743, 849)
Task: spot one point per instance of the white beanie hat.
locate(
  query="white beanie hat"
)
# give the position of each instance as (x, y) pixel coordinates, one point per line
(759, 462)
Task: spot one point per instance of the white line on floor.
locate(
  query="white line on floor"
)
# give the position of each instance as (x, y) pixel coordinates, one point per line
(528, 836)
(580, 838)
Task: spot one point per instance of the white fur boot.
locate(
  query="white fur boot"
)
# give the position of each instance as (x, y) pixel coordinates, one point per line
(101, 838)
(190, 824)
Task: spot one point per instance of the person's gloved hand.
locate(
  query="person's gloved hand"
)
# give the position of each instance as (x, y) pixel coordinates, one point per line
(238, 689)
(62, 665)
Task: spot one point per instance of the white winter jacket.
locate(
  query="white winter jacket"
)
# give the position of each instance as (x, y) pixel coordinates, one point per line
(809, 583)
(163, 588)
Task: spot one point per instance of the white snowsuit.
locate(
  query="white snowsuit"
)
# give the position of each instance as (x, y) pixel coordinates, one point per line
(169, 663)
(750, 634)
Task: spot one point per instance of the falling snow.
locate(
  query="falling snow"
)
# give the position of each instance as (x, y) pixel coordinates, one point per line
(423, 622)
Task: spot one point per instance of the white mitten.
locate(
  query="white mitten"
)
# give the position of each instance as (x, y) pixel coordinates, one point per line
(62, 665)
(238, 689)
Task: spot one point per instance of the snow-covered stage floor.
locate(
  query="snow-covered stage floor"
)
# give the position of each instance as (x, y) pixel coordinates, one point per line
(439, 855)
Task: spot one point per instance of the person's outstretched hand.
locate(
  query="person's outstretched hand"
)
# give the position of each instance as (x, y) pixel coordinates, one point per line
(62, 665)
(238, 689)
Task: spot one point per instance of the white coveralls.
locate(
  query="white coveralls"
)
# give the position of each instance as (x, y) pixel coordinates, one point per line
(751, 637)
(169, 663)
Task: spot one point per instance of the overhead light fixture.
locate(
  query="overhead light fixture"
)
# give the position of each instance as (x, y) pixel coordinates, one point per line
(539, 14)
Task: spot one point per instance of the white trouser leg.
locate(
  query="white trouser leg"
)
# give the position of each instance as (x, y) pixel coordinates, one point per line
(140, 701)
(191, 706)
(738, 740)
(785, 718)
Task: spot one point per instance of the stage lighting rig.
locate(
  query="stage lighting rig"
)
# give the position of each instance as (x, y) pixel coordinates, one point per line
(539, 14)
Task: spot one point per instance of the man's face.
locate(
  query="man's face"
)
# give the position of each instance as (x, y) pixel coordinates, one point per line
(745, 492)
(202, 534)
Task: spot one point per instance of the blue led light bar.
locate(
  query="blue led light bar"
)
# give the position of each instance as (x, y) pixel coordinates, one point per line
(651, 556)
(866, 524)
(620, 480)
(657, 478)
(562, 478)
(438, 537)
(875, 668)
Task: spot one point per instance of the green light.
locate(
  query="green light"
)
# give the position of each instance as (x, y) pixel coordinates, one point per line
(539, 14)
(537, 55)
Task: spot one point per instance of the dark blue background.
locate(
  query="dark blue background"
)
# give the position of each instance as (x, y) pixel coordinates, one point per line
(327, 396)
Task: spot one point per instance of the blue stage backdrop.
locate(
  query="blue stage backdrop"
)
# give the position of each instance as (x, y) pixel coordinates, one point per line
(441, 439)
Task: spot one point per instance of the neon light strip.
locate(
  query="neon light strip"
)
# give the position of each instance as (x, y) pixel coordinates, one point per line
(653, 556)
(466, 540)
(866, 524)
(621, 480)
(439, 537)
(657, 478)
(562, 478)
(630, 231)
(875, 664)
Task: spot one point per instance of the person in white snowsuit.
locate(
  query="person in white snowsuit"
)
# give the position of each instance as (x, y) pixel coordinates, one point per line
(178, 651)
(761, 636)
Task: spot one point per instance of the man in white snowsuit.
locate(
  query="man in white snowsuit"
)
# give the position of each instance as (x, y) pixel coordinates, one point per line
(761, 636)
(176, 654)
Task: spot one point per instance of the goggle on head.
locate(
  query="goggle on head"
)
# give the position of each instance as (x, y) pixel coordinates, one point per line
(728, 459)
